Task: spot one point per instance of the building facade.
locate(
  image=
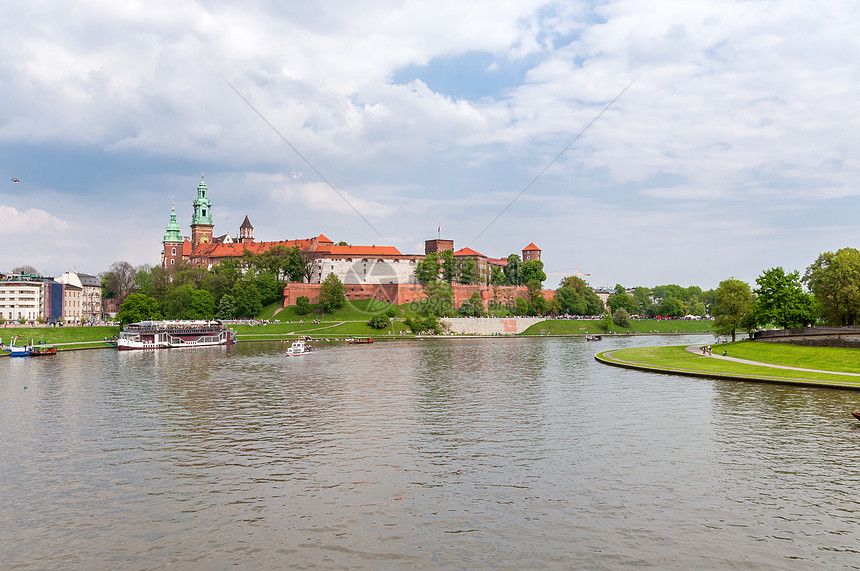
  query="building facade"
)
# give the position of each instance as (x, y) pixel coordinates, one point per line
(22, 298)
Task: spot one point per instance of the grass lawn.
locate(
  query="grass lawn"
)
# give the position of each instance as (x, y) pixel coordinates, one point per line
(678, 359)
(81, 336)
(592, 326)
(824, 358)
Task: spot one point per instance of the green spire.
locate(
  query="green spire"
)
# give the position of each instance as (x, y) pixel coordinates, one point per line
(173, 233)
(202, 206)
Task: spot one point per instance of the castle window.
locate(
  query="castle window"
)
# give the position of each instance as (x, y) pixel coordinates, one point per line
(172, 262)
(173, 252)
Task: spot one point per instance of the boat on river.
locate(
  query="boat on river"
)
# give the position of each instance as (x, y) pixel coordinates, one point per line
(856, 414)
(594, 338)
(41, 350)
(174, 334)
(16, 350)
(299, 348)
(360, 340)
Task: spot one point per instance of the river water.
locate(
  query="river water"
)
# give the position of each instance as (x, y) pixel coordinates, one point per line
(450, 453)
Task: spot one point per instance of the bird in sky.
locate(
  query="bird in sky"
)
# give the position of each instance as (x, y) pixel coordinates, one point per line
(14, 180)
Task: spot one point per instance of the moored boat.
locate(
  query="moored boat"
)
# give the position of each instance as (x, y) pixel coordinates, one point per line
(16, 350)
(856, 414)
(41, 350)
(360, 340)
(593, 338)
(173, 334)
(299, 348)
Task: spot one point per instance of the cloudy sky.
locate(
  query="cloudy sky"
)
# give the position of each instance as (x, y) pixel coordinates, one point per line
(733, 149)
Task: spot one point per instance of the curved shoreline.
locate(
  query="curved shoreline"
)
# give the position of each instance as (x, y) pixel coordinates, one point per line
(606, 358)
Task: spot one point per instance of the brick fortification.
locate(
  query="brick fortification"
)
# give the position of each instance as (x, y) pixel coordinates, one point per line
(399, 294)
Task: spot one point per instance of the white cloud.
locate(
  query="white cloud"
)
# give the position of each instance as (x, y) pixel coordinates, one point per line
(14, 222)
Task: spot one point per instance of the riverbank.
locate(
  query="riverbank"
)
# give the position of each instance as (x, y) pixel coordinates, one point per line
(747, 361)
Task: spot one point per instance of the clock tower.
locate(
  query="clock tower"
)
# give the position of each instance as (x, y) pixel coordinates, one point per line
(201, 220)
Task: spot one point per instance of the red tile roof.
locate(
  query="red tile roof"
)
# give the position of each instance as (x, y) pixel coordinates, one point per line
(358, 251)
(531, 247)
(463, 252)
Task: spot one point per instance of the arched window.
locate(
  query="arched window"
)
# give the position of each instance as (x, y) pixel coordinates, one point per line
(173, 252)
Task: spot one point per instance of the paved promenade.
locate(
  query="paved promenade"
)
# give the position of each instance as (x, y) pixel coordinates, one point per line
(697, 349)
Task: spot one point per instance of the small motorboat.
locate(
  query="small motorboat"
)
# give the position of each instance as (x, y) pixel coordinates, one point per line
(594, 338)
(360, 340)
(299, 348)
(856, 414)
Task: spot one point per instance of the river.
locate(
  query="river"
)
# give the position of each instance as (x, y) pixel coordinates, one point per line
(446, 453)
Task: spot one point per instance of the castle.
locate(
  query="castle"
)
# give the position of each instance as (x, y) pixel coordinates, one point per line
(353, 265)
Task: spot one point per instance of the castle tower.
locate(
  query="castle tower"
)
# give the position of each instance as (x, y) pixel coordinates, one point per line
(438, 245)
(531, 252)
(246, 232)
(201, 220)
(171, 255)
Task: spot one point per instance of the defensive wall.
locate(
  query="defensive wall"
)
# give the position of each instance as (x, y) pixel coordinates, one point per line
(489, 325)
(813, 336)
(399, 294)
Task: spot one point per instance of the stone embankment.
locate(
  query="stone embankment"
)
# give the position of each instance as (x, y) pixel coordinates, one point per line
(489, 325)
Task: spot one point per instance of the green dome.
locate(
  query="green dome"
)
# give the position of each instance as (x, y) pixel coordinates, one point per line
(173, 232)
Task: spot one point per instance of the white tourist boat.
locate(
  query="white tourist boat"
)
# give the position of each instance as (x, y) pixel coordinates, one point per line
(299, 348)
(172, 334)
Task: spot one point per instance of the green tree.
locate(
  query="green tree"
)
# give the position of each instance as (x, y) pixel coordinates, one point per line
(467, 271)
(303, 305)
(332, 294)
(642, 297)
(226, 307)
(621, 299)
(512, 270)
(378, 321)
(606, 322)
(537, 302)
(734, 301)
(440, 299)
(201, 305)
(621, 318)
(497, 276)
(248, 300)
(670, 307)
(138, 307)
(427, 270)
(570, 302)
(449, 266)
(176, 302)
(834, 280)
(532, 270)
(473, 307)
(780, 300)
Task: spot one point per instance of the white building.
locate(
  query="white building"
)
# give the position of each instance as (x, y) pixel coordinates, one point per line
(22, 298)
(84, 304)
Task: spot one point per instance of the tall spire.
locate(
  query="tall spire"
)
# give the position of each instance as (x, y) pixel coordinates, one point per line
(202, 205)
(173, 233)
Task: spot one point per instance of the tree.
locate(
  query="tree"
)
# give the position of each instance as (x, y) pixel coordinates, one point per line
(621, 299)
(440, 299)
(734, 300)
(332, 294)
(121, 278)
(532, 270)
(642, 297)
(570, 301)
(449, 266)
(473, 307)
(512, 270)
(226, 307)
(176, 303)
(26, 269)
(621, 318)
(378, 321)
(427, 270)
(138, 307)
(467, 271)
(248, 300)
(834, 280)
(537, 302)
(670, 307)
(201, 305)
(780, 300)
(303, 305)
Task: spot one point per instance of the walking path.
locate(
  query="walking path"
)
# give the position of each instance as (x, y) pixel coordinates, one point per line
(697, 349)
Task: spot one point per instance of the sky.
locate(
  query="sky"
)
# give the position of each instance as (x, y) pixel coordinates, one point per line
(642, 143)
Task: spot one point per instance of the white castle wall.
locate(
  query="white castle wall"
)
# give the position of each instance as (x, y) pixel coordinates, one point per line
(373, 271)
(489, 325)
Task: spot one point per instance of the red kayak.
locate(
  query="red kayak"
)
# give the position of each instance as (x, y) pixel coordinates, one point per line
(856, 415)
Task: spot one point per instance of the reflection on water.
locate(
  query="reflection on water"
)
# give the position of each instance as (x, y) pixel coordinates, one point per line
(437, 453)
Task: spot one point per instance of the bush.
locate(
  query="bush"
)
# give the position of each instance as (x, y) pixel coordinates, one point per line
(303, 305)
(378, 321)
(621, 318)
